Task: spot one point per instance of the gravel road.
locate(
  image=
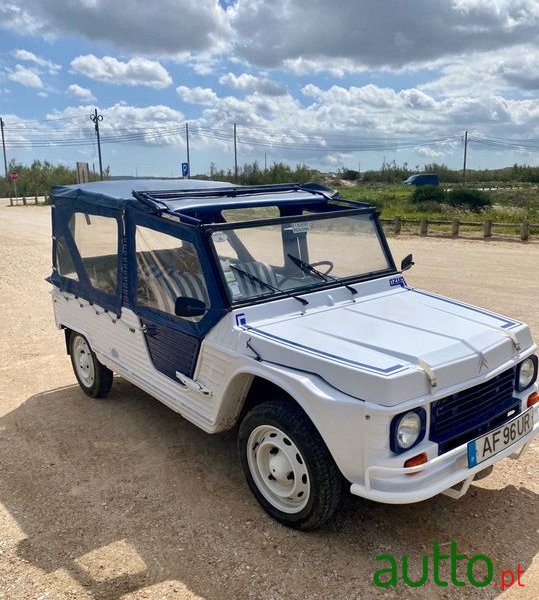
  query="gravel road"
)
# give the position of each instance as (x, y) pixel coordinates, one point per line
(123, 499)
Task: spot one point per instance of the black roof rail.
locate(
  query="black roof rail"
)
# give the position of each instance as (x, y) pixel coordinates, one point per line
(234, 191)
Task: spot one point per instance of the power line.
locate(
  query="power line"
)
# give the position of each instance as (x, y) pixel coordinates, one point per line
(256, 136)
(49, 119)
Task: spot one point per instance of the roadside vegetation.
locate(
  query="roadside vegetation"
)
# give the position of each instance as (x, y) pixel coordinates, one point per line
(510, 206)
(508, 195)
(38, 178)
(254, 174)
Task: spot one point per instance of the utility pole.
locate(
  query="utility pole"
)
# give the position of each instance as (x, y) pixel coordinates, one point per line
(465, 154)
(3, 144)
(265, 161)
(235, 154)
(96, 118)
(187, 147)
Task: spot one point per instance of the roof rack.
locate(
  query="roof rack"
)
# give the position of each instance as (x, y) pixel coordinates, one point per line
(235, 191)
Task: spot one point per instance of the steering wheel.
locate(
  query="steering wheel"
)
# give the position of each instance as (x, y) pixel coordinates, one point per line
(329, 264)
(324, 262)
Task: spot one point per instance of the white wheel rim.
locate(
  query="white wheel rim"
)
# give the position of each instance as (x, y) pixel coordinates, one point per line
(83, 361)
(278, 469)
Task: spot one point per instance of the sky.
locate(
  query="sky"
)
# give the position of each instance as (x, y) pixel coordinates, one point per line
(340, 84)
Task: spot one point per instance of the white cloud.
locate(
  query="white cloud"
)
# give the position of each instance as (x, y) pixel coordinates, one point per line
(168, 27)
(334, 122)
(121, 119)
(197, 95)
(155, 126)
(374, 34)
(25, 77)
(137, 71)
(80, 92)
(486, 74)
(463, 63)
(251, 83)
(335, 67)
(28, 56)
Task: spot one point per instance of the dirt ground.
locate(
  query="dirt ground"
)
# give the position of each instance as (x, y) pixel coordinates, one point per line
(123, 499)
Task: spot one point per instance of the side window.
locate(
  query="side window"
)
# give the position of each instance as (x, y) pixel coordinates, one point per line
(167, 268)
(66, 268)
(96, 238)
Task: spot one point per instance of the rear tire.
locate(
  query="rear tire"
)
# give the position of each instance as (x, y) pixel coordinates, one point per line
(94, 378)
(287, 465)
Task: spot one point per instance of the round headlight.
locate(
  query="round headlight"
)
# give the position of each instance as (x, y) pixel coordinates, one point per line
(408, 430)
(526, 373)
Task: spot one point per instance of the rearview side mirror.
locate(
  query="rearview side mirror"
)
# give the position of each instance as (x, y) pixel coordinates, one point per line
(189, 307)
(407, 262)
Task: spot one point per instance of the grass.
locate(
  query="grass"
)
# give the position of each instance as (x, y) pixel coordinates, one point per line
(509, 206)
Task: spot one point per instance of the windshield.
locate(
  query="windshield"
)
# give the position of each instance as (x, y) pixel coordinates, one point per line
(292, 256)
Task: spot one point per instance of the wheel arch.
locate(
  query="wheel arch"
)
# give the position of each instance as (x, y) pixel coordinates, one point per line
(251, 387)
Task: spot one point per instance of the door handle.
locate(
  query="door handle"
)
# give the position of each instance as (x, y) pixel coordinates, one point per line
(149, 329)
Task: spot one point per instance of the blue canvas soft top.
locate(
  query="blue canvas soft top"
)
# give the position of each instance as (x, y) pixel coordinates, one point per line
(119, 193)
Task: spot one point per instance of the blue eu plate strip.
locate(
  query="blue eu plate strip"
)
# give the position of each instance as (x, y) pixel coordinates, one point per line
(472, 455)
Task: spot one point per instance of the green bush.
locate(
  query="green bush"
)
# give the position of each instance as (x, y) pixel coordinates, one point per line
(428, 193)
(38, 178)
(466, 198)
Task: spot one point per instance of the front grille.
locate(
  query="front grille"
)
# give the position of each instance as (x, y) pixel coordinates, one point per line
(466, 415)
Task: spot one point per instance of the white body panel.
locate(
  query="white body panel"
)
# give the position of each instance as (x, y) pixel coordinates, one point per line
(351, 362)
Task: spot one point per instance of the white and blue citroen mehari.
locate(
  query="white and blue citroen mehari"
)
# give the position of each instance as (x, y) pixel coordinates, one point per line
(280, 309)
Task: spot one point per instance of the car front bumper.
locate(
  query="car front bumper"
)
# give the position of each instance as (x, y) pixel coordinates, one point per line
(440, 475)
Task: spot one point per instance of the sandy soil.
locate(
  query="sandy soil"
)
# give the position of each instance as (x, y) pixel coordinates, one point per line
(123, 499)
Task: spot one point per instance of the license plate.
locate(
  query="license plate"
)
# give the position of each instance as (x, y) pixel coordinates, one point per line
(497, 440)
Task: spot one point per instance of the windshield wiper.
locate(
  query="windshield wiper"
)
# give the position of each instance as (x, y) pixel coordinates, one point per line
(307, 268)
(269, 286)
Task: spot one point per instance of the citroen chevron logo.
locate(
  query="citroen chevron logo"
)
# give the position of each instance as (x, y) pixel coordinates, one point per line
(483, 363)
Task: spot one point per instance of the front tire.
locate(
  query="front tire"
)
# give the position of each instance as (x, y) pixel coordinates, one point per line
(287, 465)
(94, 378)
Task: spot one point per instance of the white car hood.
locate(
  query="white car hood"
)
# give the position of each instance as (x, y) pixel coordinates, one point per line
(389, 347)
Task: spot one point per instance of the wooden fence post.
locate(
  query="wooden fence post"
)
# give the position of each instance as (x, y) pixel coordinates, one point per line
(35, 198)
(455, 228)
(424, 226)
(397, 225)
(24, 200)
(487, 229)
(525, 231)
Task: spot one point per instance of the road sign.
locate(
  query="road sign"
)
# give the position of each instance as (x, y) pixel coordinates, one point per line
(83, 172)
(185, 169)
(14, 175)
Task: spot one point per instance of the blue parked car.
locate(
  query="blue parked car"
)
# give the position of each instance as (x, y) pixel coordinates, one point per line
(422, 179)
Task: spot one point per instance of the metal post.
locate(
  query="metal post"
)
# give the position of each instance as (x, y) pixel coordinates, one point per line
(187, 143)
(465, 154)
(525, 231)
(96, 118)
(3, 145)
(235, 154)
